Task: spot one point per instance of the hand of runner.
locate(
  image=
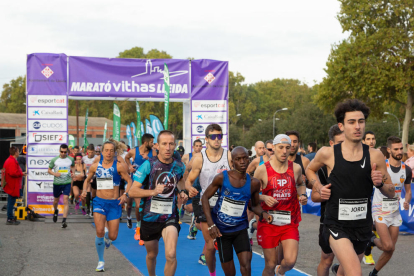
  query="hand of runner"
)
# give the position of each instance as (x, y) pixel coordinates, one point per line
(57, 174)
(303, 200)
(270, 201)
(122, 199)
(406, 205)
(192, 192)
(183, 196)
(325, 191)
(376, 176)
(268, 218)
(132, 168)
(214, 232)
(158, 189)
(83, 195)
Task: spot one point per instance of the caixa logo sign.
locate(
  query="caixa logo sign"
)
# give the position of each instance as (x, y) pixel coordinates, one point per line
(48, 125)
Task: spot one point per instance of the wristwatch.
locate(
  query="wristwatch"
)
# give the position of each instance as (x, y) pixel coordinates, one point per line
(380, 186)
(126, 195)
(305, 195)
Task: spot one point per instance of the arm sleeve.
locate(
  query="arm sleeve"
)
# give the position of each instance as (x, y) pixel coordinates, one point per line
(409, 174)
(142, 172)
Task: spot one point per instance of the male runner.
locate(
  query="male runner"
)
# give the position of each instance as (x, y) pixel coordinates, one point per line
(61, 168)
(228, 222)
(206, 166)
(385, 211)
(197, 147)
(145, 152)
(88, 160)
(259, 146)
(336, 136)
(369, 139)
(353, 169)
(298, 158)
(159, 177)
(107, 205)
(281, 181)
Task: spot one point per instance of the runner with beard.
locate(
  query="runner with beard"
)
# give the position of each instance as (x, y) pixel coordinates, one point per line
(206, 166)
(298, 158)
(88, 160)
(156, 182)
(353, 169)
(385, 211)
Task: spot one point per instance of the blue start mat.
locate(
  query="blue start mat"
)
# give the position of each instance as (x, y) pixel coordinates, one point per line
(188, 253)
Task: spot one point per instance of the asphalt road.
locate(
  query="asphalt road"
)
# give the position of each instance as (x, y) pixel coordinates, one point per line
(39, 248)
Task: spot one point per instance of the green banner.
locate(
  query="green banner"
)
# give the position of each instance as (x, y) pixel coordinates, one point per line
(138, 133)
(72, 141)
(116, 131)
(104, 136)
(166, 95)
(85, 140)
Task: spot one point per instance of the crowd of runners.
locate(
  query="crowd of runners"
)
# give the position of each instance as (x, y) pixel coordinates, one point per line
(232, 197)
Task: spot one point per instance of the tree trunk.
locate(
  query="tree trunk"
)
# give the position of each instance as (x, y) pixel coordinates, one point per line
(407, 119)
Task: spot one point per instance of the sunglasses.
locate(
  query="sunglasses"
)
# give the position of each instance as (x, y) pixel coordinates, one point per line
(269, 149)
(63, 151)
(97, 151)
(215, 136)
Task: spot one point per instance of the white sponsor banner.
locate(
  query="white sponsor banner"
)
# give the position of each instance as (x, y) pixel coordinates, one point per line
(47, 113)
(39, 162)
(210, 105)
(47, 125)
(48, 137)
(40, 186)
(209, 117)
(40, 150)
(203, 140)
(39, 174)
(49, 100)
(199, 129)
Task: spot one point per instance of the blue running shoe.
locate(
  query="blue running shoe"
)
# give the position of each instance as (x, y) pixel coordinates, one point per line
(202, 260)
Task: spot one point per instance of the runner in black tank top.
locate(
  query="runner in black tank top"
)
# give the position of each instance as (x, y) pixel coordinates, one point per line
(298, 158)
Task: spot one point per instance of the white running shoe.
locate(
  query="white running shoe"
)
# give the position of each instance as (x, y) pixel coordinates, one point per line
(108, 243)
(100, 267)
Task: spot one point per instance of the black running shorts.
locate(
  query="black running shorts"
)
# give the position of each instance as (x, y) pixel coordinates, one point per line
(196, 208)
(153, 230)
(93, 184)
(360, 237)
(322, 242)
(78, 184)
(238, 240)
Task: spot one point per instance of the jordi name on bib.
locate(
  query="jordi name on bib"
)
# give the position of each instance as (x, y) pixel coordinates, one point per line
(352, 209)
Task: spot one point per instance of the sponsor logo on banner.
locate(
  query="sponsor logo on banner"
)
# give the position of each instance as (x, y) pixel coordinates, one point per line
(199, 129)
(149, 70)
(47, 137)
(38, 162)
(40, 186)
(39, 150)
(40, 174)
(203, 140)
(47, 125)
(210, 117)
(45, 209)
(47, 72)
(209, 78)
(36, 100)
(209, 105)
(46, 113)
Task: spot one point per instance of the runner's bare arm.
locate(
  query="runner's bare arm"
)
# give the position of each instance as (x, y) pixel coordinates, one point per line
(316, 197)
(185, 158)
(311, 173)
(187, 170)
(408, 195)
(379, 173)
(300, 185)
(123, 172)
(305, 162)
(261, 175)
(197, 164)
(128, 156)
(210, 191)
(88, 179)
(253, 165)
(137, 191)
(97, 159)
(256, 207)
(230, 160)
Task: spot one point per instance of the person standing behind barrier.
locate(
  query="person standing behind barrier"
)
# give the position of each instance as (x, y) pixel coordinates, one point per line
(410, 161)
(13, 176)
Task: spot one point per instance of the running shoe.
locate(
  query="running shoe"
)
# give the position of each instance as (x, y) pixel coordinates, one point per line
(55, 216)
(251, 229)
(100, 267)
(76, 204)
(12, 222)
(368, 260)
(84, 212)
(277, 270)
(129, 223)
(202, 260)
(64, 225)
(141, 242)
(191, 236)
(334, 269)
(108, 243)
(71, 199)
(137, 235)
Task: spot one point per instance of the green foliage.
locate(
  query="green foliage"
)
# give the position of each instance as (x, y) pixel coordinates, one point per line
(13, 96)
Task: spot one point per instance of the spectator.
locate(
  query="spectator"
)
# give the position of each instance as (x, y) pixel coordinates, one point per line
(312, 149)
(13, 177)
(410, 153)
(384, 151)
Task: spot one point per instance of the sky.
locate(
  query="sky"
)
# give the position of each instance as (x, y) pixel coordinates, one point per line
(262, 40)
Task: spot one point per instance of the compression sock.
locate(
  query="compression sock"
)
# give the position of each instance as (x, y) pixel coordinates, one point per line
(128, 217)
(374, 272)
(106, 233)
(212, 273)
(100, 248)
(63, 220)
(368, 250)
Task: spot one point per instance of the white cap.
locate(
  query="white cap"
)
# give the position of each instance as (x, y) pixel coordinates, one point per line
(279, 137)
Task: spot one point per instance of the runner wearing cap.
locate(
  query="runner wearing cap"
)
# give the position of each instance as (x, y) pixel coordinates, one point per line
(281, 182)
(353, 168)
(228, 220)
(206, 166)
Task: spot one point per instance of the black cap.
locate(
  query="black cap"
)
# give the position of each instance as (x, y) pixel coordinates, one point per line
(180, 150)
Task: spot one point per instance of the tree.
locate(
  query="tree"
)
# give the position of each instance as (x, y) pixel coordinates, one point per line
(375, 64)
(13, 96)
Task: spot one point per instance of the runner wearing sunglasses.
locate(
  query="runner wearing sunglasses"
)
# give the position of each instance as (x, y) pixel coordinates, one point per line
(206, 165)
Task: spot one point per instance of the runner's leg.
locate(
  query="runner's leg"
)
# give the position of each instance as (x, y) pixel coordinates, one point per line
(151, 258)
(245, 260)
(66, 206)
(290, 249)
(170, 237)
(113, 227)
(386, 242)
(100, 220)
(345, 253)
(210, 251)
(325, 263)
(270, 256)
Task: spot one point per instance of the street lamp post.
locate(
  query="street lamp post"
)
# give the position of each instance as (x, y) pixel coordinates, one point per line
(283, 109)
(399, 126)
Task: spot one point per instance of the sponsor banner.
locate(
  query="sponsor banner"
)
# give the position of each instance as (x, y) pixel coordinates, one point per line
(209, 117)
(40, 186)
(37, 100)
(42, 198)
(47, 125)
(46, 75)
(203, 140)
(199, 129)
(211, 105)
(48, 137)
(39, 174)
(38, 162)
(42, 209)
(47, 113)
(43, 150)
(407, 215)
(209, 79)
(129, 78)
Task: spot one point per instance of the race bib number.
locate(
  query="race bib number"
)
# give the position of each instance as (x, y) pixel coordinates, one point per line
(63, 170)
(390, 204)
(213, 200)
(280, 218)
(104, 183)
(233, 208)
(77, 173)
(161, 205)
(352, 209)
